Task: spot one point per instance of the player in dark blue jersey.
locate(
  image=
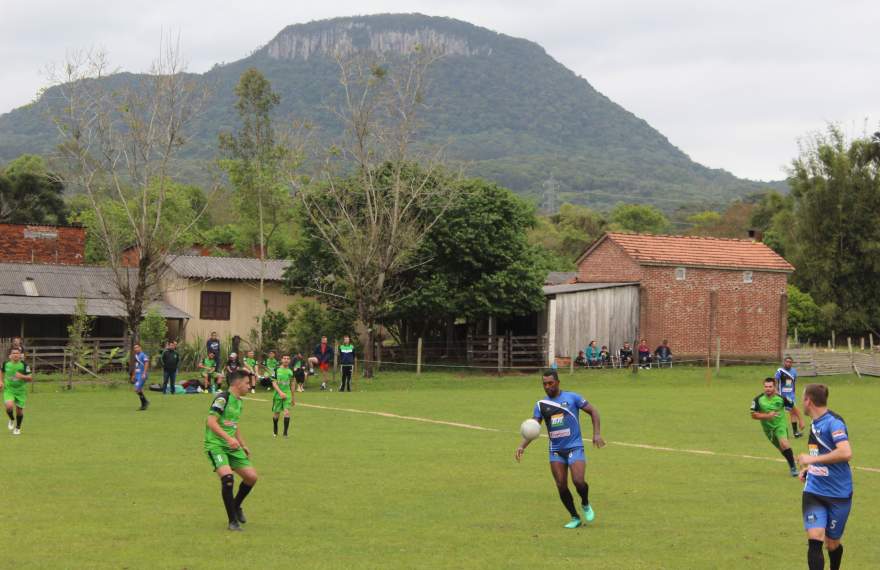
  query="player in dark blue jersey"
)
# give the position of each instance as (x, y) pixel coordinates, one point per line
(139, 374)
(786, 380)
(559, 411)
(827, 497)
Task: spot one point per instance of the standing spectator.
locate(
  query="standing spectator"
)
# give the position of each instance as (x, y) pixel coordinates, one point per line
(592, 355)
(663, 354)
(580, 361)
(644, 354)
(170, 364)
(605, 356)
(322, 358)
(299, 371)
(346, 363)
(625, 354)
(213, 345)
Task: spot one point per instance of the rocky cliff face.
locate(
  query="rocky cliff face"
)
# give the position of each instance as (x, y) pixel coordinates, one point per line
(345, 38)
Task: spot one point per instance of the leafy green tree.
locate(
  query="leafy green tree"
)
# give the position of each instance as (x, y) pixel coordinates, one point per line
(77, 331)
(804, 315)
(639, 218)
(566, 234)
(836, 234)
(274, 324)
(29, 193)
(480, 263)
(255, 163)
(704, 222)
(153, 331)
(308, 320)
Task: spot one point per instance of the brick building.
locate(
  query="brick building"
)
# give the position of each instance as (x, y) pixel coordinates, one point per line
(692, 290)
(25, 243)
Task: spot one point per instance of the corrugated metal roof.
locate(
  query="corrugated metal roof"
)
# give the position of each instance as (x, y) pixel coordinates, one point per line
(697, 251)
(577, 287)
(14, 305)
(560, 277)
(65, 281)
(198, 267)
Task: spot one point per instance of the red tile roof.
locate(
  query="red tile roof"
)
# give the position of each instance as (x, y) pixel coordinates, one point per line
(697, 251)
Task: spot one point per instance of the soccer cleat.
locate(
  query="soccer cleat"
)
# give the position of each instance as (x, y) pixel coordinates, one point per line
(794, 472)
(16, 431)
(239, 514)
(10, 424)
(233, 525)
(573, 523)
(274, 435)
(798, 434)
(253, 391)
(589, 515)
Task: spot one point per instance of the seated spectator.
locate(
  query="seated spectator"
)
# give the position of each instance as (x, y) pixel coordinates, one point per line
(593, 355)
(644, 354)
(664, 354)
(580, 361)
(625, 354)
(605, 356)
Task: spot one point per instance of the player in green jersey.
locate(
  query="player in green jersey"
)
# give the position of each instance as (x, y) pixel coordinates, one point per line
(14, 377)
(267, 370)
(769, 408)
(227, 450)
(208, 366)
(283, 397)
(250, 365)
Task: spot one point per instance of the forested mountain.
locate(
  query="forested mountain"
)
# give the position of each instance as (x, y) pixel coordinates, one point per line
(508, 110)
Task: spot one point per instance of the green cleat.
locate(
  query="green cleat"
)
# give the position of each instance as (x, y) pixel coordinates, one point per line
(573, 523)
(589, 515)
(794, 472)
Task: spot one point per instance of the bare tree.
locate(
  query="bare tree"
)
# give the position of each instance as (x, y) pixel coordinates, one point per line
(381, 193)
(120, 136)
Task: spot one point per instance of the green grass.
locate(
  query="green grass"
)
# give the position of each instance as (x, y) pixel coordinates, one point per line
(92, 483)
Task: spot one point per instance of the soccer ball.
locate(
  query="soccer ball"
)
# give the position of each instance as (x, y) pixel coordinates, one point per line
(530, 429)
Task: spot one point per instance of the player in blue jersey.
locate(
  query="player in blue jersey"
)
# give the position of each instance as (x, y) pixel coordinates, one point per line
(560, 412)
(139, 375)
(827, 497)
(786, 378)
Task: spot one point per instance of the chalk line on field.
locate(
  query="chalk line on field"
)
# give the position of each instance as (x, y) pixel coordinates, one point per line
(482, 428)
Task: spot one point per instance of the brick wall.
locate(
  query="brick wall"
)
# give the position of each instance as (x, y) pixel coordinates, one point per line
(749, 317)
(608, 263)
(42, 244)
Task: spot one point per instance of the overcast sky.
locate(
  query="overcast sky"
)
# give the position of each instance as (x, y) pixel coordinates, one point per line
(733, 84)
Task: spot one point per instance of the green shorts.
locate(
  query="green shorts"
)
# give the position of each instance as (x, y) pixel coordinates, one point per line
(775, 433)
(220, 456)
(279, 405)
(15, 394)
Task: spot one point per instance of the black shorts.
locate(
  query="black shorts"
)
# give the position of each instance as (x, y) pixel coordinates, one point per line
(300, 377)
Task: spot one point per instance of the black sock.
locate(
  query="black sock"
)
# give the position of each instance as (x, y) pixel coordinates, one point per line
(568, 501)
(275, 426)
(18, 420)
(815, 557)
(286, 424)
(789, 456)
(9, 413)
(794, 427)
(243, 490)
(584, 492)
(226, 484)
(143, 399)
(835, 556)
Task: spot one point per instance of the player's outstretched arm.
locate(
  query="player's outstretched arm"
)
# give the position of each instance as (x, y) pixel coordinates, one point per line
(594, 417)
(523, 445)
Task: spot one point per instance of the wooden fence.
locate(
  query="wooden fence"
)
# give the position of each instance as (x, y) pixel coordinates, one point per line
(820, 362)
(483, 351)
(52, 354)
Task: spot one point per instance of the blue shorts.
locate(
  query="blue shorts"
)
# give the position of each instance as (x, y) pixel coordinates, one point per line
(568, 456)
(139, 380)
(790, 396)
(826, 512)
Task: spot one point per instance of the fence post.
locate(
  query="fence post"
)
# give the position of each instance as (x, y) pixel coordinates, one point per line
(718, 354)
(469, 345)
(500, 354)
(33, 366)
(862, 343)
(571, 366)
(833, 341)
(419, 357)
(796, 340)
(335, 359)
(378, 355)
(871, 339)
(95, 356)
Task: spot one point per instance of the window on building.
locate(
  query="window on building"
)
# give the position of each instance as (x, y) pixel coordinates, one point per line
(747, 276)
(679, 273)
(215, 306)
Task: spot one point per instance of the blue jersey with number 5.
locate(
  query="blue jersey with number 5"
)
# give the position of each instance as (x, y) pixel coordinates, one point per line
(561, 416)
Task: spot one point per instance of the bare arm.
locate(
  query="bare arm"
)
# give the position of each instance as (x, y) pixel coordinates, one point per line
(25, 377)
(594, 416)
(841, 454)
(278, 390)
(764, 415)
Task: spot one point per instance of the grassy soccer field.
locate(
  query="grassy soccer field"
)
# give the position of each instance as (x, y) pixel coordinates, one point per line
(92, 483)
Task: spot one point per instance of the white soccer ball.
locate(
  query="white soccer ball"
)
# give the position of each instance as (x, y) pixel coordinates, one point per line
(530, 429)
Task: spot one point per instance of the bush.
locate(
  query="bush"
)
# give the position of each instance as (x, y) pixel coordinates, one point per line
(804, 315)
(153, 331)
(309, 320)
